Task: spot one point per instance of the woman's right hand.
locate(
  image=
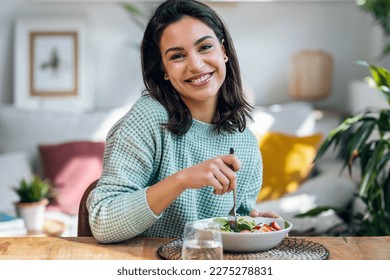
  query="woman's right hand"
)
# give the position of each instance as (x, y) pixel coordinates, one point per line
(218, 172)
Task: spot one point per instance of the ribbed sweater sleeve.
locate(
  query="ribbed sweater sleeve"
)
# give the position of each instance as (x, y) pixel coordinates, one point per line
(118, 206)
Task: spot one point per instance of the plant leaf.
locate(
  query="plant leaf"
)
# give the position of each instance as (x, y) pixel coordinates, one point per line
(133, 9)
(33, 191)
(136, 14)
(384, 121)
(381, 77)
(370, 172)
(316, 211)
(335, 135)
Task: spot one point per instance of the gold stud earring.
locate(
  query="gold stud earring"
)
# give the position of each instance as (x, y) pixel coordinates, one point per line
(166, 77)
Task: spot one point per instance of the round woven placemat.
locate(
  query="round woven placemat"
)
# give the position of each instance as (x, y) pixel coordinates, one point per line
(289, 249)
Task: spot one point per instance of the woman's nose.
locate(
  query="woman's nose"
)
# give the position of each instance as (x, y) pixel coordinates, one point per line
(195, 62)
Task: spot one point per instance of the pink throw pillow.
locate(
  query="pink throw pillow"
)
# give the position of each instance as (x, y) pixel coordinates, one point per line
(71, 167)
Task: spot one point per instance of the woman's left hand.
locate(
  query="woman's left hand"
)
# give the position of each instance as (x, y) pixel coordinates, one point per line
(267, 214)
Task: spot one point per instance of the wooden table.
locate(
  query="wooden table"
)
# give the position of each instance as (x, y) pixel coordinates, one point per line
(81, 248)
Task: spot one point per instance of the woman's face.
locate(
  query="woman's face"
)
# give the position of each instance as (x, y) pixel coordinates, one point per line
(194, 61)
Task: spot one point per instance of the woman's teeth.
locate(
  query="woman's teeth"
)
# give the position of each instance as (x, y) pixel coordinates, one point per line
(201, 79)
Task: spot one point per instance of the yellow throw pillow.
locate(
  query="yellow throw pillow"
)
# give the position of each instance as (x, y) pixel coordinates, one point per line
(287, 161)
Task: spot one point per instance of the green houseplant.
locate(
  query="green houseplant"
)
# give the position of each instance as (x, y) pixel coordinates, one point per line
(137, 15)
(33, 191)
(380, 11)
(364, 139)
(33, 198)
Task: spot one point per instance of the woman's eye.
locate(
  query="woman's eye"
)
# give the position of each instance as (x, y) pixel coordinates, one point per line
(177, 57)
(205, 47)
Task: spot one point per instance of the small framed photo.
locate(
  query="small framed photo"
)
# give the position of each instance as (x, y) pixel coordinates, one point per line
(52, 67)
(53, 63)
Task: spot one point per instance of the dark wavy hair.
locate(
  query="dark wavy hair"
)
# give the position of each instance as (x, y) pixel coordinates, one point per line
(232, 109)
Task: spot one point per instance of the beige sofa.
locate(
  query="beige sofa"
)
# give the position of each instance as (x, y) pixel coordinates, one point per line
(21, 132)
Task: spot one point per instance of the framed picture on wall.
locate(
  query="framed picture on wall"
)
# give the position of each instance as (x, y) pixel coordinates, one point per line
(52, 64)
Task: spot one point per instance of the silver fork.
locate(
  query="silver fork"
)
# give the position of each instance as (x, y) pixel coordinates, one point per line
(232, 216)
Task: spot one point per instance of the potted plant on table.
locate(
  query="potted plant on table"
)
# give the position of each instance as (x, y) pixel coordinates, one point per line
(33, 199)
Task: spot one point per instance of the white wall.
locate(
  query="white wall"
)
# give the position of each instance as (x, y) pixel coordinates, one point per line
(266, 35)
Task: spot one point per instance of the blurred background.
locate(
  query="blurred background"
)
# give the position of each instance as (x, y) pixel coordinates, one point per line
(267, 34)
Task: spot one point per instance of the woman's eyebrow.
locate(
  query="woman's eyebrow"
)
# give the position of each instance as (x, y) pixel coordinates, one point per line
(197, 42)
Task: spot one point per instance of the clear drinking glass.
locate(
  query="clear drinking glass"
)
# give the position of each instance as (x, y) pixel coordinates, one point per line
(202, 241)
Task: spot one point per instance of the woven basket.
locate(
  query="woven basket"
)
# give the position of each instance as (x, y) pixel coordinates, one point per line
(311, 75)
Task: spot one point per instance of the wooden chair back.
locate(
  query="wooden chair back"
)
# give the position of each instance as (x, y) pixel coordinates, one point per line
(83, 227)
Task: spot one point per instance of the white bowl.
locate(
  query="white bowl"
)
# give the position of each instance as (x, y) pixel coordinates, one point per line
(254, 241)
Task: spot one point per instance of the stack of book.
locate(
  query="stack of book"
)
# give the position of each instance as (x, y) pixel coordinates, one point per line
(11, 225)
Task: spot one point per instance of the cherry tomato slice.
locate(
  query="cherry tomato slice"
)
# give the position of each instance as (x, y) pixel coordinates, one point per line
(275, 225)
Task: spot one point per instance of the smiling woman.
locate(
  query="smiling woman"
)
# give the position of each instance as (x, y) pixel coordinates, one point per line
(166, 162)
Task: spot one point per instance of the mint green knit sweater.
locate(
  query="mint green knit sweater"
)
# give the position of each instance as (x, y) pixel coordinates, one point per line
(140, 152)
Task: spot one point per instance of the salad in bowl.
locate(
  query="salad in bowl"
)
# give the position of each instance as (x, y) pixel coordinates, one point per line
(252, 234)
(249, 225)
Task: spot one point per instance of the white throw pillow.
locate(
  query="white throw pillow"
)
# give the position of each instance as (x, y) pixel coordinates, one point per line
(328, 189)
(295, 118)
(13, 168)
(323, 190)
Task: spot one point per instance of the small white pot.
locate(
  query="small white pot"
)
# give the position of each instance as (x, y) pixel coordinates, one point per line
(33, 214)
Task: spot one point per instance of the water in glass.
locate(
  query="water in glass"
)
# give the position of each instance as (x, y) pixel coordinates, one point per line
(202, 241)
